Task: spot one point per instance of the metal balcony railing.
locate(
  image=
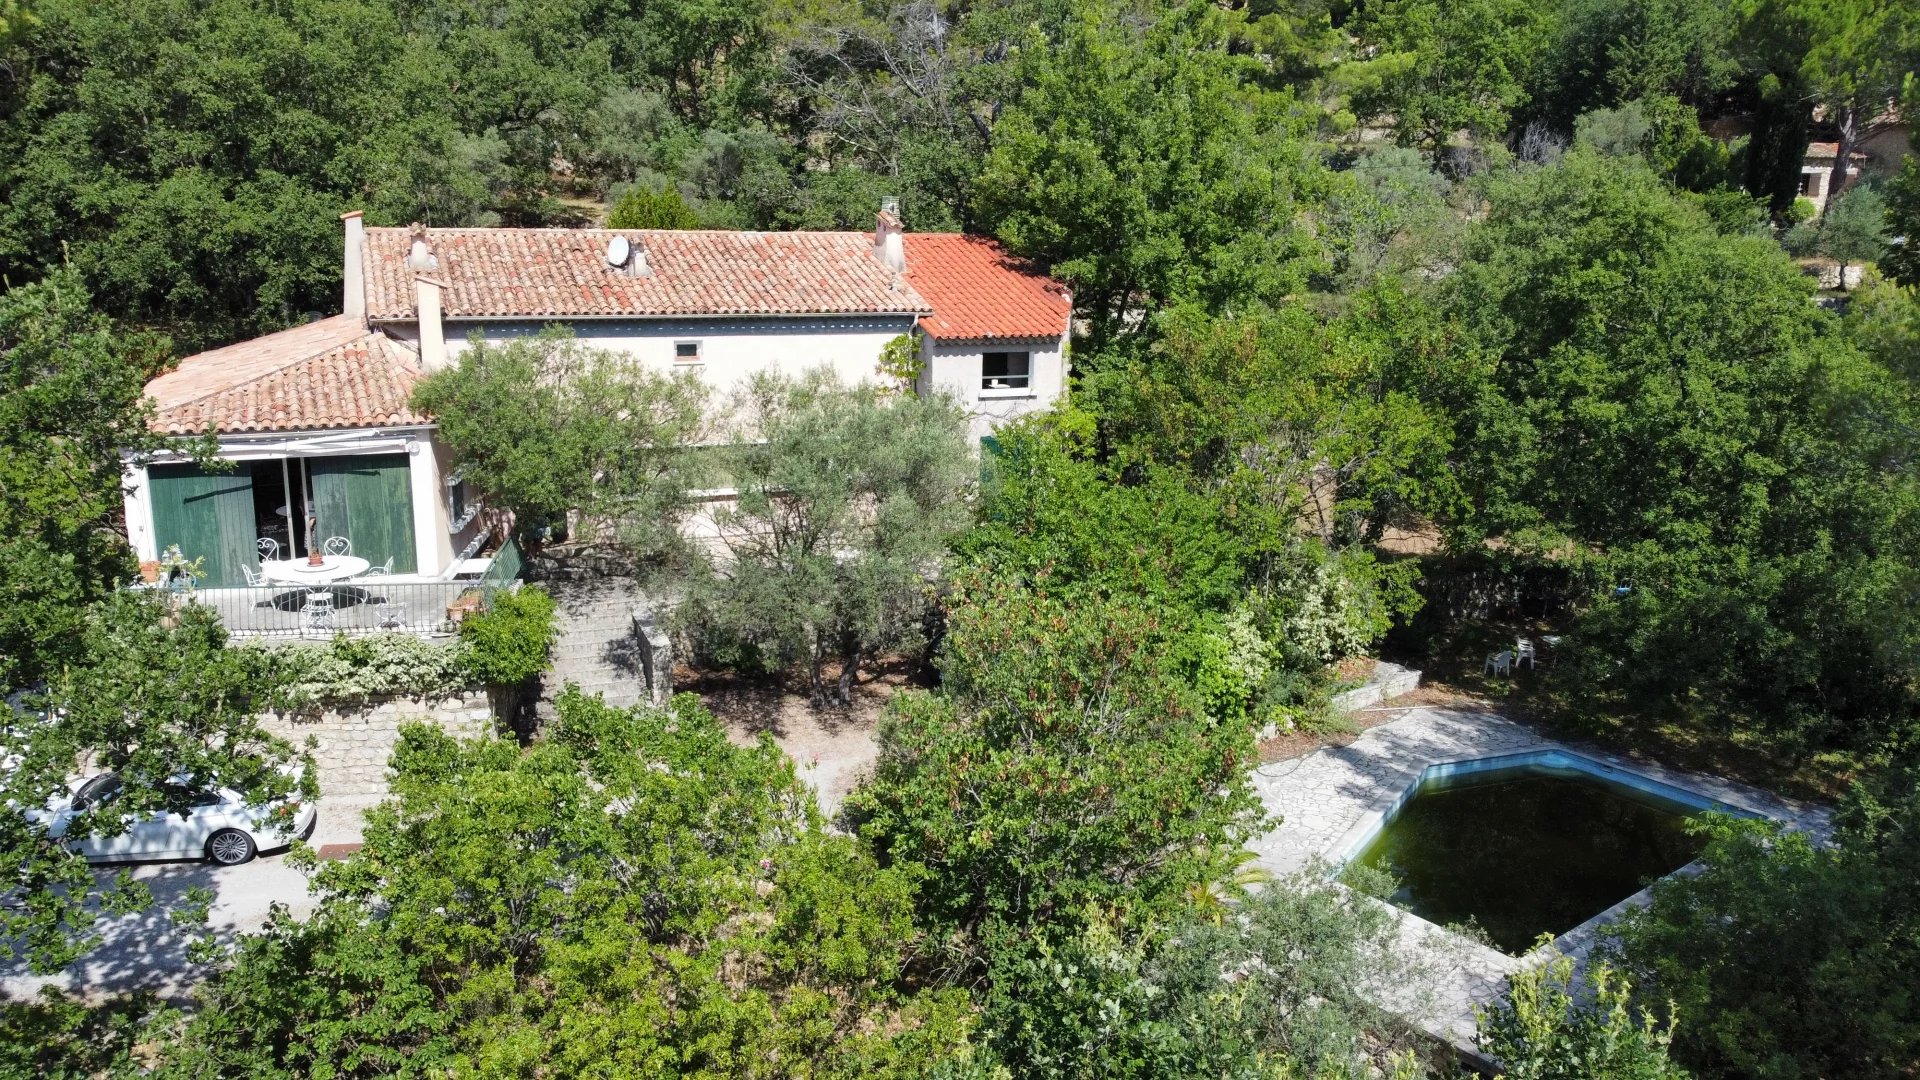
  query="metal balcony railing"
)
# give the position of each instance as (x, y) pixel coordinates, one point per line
(368, 605)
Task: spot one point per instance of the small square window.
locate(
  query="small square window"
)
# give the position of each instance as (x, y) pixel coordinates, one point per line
(686, 352)
(1005, 371)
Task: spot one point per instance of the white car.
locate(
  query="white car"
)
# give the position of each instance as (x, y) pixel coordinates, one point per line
(218, 825)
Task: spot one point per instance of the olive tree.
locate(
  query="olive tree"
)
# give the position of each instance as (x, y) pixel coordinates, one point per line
(847, 499)
(546, 426)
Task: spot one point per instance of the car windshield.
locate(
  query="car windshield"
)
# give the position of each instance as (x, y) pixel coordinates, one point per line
(96, 791)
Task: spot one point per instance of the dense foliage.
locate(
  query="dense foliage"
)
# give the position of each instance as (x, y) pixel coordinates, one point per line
(150, 695)
(630, 896)
(845, 502)
(70, 403)
(549, 427)
(1787, 958)
(1279, 989)
(1658, 402)
(1544, 1031)
(1473, 274)
(1065, 763)
(508, 643)
(347, 670)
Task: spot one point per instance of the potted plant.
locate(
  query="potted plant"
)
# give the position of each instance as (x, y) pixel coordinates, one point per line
(176, 573)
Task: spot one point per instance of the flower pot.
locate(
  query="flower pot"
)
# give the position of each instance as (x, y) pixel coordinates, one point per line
(314, 558)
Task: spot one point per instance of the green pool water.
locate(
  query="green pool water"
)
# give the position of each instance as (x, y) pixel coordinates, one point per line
(1525, 852)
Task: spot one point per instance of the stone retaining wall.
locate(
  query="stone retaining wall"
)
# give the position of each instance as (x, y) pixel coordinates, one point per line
(354, 744)
(1387, 681)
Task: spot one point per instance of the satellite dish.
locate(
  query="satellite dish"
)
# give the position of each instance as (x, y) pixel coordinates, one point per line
(618, 251)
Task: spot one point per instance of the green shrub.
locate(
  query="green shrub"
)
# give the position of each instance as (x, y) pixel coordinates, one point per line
(347, 670)
(641, 208)
(1544, 1032)
(1278, 991)
(509, 642)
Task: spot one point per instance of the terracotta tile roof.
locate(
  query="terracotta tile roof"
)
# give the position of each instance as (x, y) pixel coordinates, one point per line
(980, 293)
(333, 373)
(507, 273)
(1827, 151)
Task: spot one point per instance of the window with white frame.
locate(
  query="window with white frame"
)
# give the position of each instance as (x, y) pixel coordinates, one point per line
(462, 507)
(1005, 370)
(686, 352)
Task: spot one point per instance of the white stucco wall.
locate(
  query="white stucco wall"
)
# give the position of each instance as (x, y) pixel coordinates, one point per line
(730, 349)
(957, 370)
(431, 545)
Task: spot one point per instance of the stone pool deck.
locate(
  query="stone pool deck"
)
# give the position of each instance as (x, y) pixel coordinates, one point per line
(1328, 798)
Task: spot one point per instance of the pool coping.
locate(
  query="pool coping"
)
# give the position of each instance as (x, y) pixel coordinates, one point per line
(1371, 778)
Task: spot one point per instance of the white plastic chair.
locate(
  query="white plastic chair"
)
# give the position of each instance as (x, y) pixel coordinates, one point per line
(1500, 663)
(269, 548)
(1523, 653)
(337, 545)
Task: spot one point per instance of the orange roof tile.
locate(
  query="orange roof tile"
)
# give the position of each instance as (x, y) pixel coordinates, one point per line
(333, 373)
(980, 293)
(1827, 151)
(533, 273)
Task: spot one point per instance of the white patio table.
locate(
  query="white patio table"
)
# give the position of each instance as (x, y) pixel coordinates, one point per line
(332, 568)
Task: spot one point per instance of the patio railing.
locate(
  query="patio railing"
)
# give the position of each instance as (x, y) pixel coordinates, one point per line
(359, 606)
(369, 606)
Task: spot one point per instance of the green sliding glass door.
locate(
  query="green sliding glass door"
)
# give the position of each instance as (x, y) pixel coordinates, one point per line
(209, 516)
(368, 500)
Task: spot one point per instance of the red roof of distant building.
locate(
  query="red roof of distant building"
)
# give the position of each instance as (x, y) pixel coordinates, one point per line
(333, 373)
(980, 293)
(1827, 151)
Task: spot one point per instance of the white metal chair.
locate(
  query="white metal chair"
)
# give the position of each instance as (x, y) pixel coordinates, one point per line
(255, 578)
(1500, 663)
(269, 548)
(337, 545)
(1523, 653)
(383, 570)
(318, 610)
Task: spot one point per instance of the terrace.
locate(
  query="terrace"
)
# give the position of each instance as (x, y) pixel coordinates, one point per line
(365, 605)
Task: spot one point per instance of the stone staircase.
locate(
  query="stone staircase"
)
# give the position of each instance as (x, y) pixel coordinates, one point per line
(606, 645)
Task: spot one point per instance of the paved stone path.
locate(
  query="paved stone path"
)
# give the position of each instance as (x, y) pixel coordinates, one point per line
(1327, 797)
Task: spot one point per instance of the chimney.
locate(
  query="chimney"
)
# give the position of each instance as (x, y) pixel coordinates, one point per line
(353, 300)
(420, 256)
(889, 239)
(433, 335)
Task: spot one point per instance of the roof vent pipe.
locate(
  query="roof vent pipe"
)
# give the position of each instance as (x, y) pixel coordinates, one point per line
(353, 277)
(889, 240)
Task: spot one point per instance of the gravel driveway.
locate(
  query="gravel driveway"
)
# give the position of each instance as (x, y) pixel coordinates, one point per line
(144, 952)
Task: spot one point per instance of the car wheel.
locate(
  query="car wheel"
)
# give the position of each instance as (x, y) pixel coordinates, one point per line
(230, 847)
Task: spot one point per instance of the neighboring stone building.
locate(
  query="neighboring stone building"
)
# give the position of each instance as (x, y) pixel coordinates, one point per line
(1816, 171)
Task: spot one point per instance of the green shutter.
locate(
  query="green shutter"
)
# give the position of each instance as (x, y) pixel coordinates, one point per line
(209, 516)
(989, 454)
(368, 500)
